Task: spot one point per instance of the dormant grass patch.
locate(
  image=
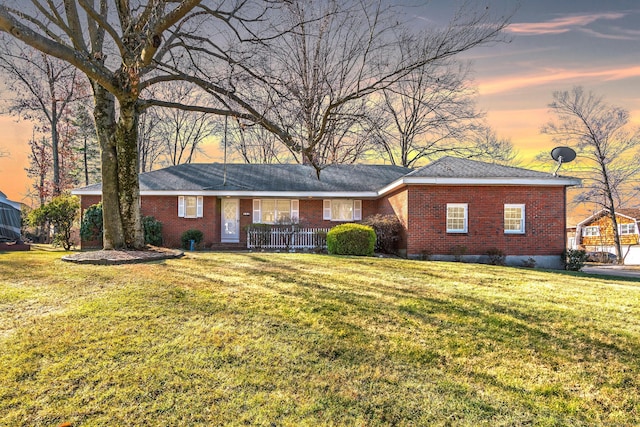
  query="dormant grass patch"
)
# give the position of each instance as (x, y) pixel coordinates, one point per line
(300, 339)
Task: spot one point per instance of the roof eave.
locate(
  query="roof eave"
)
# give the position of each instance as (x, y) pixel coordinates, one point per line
(541, 182)
(248, 194)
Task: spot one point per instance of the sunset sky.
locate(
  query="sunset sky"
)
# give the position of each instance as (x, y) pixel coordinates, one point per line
(554, 45)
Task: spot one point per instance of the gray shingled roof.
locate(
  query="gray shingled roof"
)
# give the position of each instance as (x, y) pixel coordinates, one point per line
(454, 167)
(268, 177)
(278, 178)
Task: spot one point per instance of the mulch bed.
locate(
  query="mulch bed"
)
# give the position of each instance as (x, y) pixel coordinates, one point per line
(103, 257)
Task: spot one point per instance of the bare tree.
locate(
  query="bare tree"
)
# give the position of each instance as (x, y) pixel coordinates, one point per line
(150, 148)
(606, 148)
(338, 59)
(87, 169)
(45, 90)
(234, 52)
(180, 132)
(40, 166)
(251, 144)
(485, 144)
(429, 113)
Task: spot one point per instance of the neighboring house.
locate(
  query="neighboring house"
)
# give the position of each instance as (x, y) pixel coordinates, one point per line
(9, 219)
(596, 234)
(451, 206)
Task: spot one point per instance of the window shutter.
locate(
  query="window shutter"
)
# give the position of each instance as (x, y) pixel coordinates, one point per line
(295, 210)
(357, 210)
(199, 207)
(326, 210)
(256, 211)
(181, 206)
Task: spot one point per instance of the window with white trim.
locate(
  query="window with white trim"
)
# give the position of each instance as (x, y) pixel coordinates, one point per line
(592, 230)
(457, 221)
(275, 211)
(342, 210)
(514, 219)
(629, 228)
(190, 206)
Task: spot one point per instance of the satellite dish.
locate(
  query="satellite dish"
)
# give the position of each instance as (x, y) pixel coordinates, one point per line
(562, 155)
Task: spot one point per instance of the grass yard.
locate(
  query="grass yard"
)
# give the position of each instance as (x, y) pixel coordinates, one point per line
(305, 340)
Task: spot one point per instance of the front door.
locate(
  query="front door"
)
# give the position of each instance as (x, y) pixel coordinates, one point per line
(230, 220)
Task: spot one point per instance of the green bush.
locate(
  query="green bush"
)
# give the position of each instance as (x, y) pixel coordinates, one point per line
(574, 259)
(91, 227)
(60, 213)
(351, 239)
(152, 231)
(192, 234)
(388, 229)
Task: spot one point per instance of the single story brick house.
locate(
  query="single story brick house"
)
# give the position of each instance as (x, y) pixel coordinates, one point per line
(595, 233)
(449, 204)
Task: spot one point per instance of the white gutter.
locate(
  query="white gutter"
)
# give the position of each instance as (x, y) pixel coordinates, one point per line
(410, 180)
(248, 194)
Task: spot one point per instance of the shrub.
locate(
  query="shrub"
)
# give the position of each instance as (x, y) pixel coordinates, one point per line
(60, 212)
(458, 251)
(351, 239)
(91, 227)
(496, 256)
(388, 229)
(152, 231)
(187, 236)
(574, 259)
(529, 263)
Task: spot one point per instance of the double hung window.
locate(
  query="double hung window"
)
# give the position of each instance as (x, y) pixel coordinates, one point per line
(457, 218)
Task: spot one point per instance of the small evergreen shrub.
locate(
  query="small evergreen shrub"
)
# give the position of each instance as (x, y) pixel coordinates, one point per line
(496, 256)
(91, 227)
(189, 235)
(152, 231)
(388, 229)
(574, 259)
(529, 263)
(351, 239)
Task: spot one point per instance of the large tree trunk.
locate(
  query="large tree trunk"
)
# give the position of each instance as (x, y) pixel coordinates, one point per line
(120, 189)
(129, 195)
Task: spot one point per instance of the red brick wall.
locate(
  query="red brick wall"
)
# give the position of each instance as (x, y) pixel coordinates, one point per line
(544, 220)
(396, 204)
(165, 210)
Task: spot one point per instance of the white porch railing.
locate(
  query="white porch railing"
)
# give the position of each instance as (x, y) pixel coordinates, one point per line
(282, 237)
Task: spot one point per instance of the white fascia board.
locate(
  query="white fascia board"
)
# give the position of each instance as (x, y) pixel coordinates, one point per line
(410, 180)
(80, 192)
(251, 194)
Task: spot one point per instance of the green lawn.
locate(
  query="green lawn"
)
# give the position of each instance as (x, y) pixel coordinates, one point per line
(297, 339)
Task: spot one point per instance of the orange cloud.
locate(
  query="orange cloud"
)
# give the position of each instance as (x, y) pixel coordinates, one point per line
(506, 84)
(560, 25)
